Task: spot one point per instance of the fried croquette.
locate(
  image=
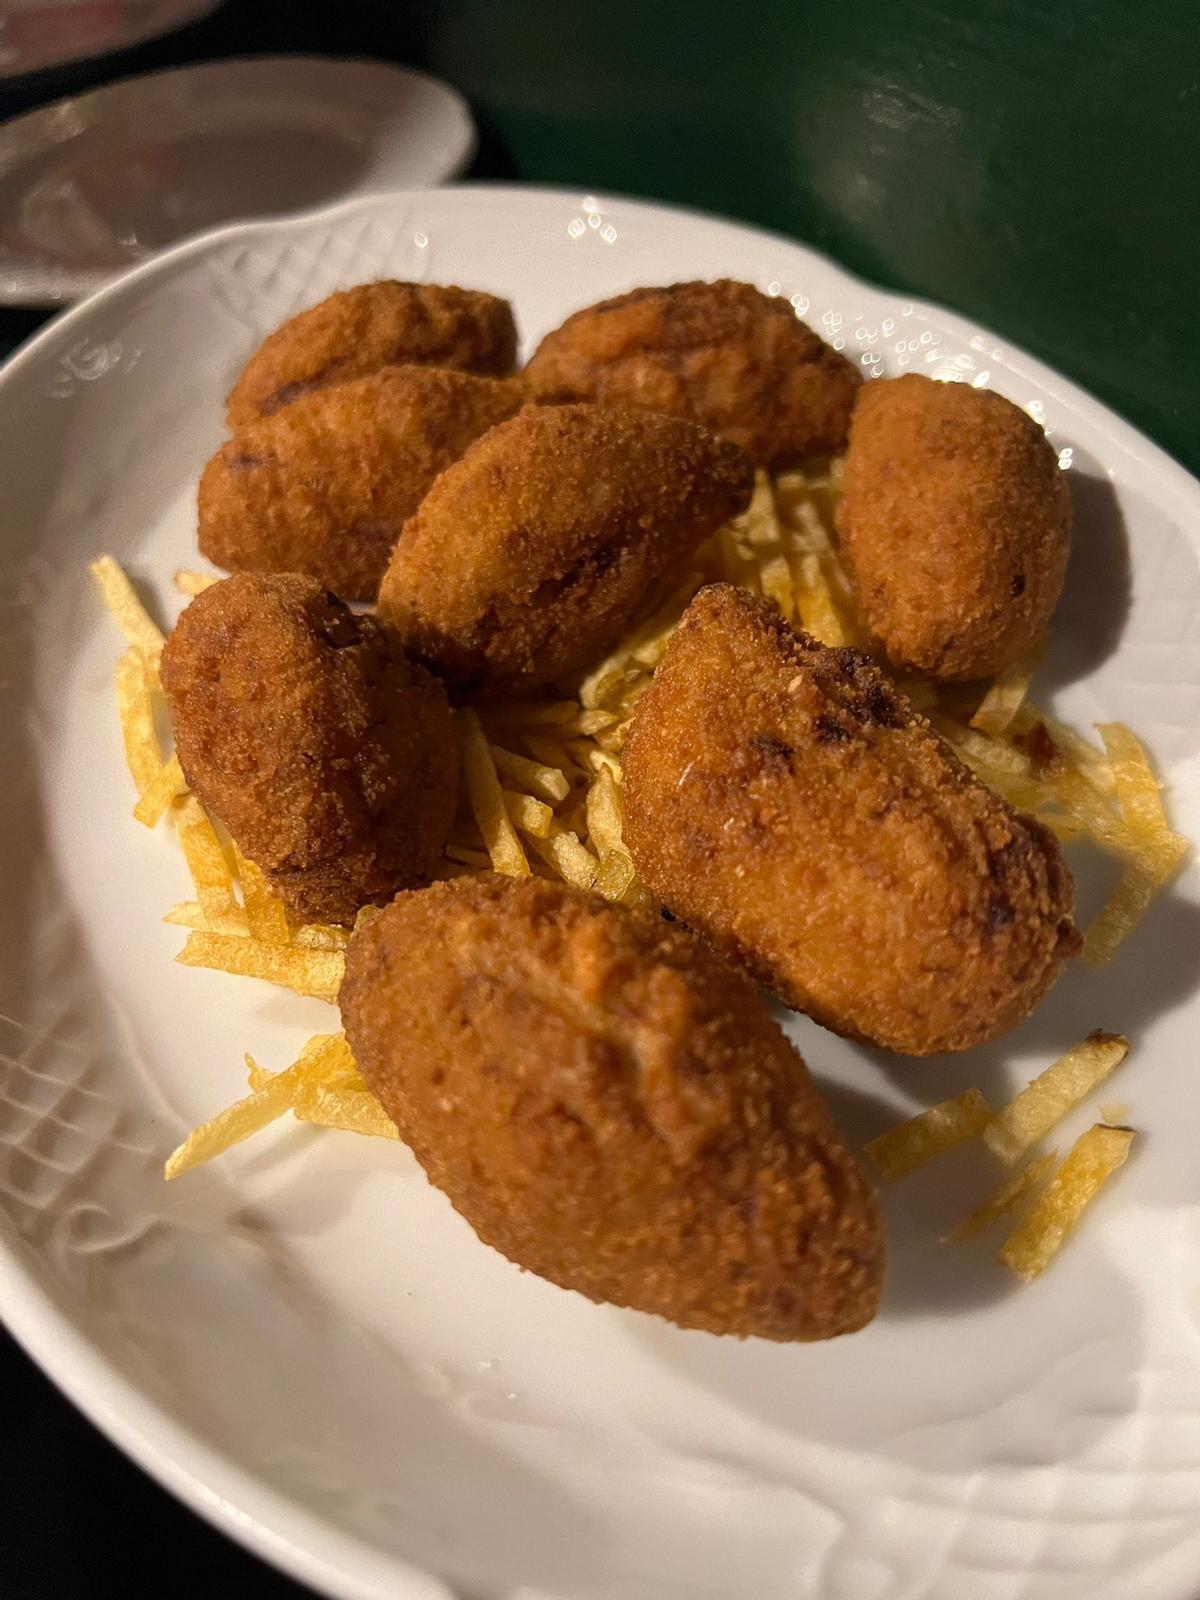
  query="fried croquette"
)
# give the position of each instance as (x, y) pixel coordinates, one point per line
(324, 486)
(955, 525)
(375, 325)
(329, 757)
(552, 535)
(613, 1108)
(740, 362)
(787, 803)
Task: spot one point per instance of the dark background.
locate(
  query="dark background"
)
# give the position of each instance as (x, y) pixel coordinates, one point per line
(1031, 164)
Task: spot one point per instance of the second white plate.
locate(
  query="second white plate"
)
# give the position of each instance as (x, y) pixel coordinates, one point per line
(91, 184)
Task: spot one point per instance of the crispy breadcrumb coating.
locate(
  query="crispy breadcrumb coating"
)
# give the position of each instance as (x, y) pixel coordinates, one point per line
(325, 485)
(375, 325)
(612, 1108)
(787, 803)
(722, 353)
(329, 757)
(955, 525)
(552, 535)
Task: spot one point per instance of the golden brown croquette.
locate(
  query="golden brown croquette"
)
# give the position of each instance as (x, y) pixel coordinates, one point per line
(787, 803)
(955, 525)
(723, 354)
(553, 535)
(324, 486)
(613, 1108)
(360, 330)
(329, 757)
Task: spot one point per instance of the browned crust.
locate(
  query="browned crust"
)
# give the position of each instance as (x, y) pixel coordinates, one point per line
(329, 757)
(553, 534)
(723, 354)
(786, 802)
(358, 331)
(955, 525)
(324, 486)
(612, 1108)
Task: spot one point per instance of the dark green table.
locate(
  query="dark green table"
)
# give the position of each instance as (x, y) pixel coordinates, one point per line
(1029, 163)
(1032, 164)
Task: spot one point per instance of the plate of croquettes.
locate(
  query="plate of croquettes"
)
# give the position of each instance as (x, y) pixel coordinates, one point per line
(602, 954)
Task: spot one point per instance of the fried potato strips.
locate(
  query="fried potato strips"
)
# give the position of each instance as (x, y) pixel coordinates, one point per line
(487, 802)
(121, 598)
(1005, 1198)
(322, 1086)
(542, 791)
(1018, 1126)
(167, 784)
(1007, 695)
(913, 1144)
(135, 707)
(1093, 1159)
(313, 972)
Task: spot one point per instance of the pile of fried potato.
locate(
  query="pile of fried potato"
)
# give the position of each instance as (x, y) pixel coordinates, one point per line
(542, 793)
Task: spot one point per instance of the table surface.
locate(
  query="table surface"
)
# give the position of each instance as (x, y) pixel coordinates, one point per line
(1030, 164)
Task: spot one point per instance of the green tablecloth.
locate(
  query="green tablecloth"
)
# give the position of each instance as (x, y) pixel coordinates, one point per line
(1032, 164)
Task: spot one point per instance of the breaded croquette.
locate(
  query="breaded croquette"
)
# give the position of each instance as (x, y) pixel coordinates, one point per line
(554, 534)
(360, 330)
(325, 485)
(786, 803)
(613, 1108)
(329, 757)
(955, 525)
(723, 354)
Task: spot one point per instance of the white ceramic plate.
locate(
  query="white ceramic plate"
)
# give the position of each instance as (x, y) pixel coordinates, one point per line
(37, 34)
(91, 184)
(304, 1341)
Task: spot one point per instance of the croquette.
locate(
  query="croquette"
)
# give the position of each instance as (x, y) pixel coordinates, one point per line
(329, 757)
(324, 486)
(722, 353)
(553, 534)
(786, 803)
(360, 330)
(613, 1108)
(955, 525)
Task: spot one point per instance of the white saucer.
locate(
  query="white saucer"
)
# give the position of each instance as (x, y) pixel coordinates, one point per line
(92, 184)
(39, 34)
